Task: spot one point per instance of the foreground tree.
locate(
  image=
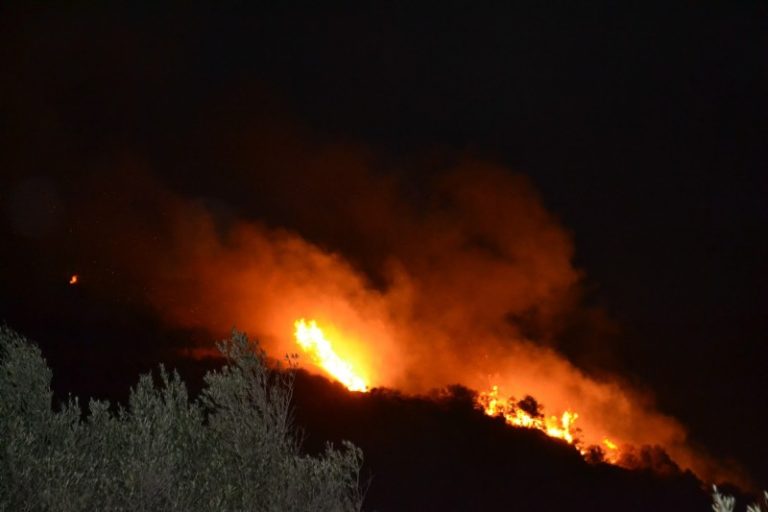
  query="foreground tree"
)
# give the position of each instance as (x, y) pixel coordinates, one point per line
(232, 449)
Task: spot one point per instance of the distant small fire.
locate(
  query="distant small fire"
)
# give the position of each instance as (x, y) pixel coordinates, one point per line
(312, 340)
(74, 279)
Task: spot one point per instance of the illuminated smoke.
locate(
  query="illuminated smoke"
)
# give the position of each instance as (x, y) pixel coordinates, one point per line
(469, 283)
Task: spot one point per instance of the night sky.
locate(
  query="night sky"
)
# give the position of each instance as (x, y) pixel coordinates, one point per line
(634, 137)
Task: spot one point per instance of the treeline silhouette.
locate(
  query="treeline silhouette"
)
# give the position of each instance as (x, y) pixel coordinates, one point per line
(439, 452)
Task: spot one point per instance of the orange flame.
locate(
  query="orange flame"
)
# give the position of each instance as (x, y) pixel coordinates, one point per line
(312, 340)
(560, 428)
(612, 453)
(74, 279)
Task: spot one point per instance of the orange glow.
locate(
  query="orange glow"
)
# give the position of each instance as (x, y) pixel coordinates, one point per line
(557, 427)
(312, 340)
(74, 279)
(474, 288)
(612, 453)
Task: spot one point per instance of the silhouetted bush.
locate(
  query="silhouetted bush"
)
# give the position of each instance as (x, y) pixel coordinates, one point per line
(233, 449)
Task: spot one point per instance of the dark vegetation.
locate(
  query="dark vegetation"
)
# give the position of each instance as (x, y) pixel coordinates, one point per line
(231, 449)
(236, 447)
(441, 453)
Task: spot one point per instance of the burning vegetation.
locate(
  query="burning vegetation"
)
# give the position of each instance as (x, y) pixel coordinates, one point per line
(525, 413)
(474, 287)
(312, 340)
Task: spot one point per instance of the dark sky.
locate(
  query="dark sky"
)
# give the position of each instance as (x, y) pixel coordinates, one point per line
(643, 128)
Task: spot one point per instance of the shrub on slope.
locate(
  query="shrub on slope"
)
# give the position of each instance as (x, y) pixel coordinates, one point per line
(233, 449)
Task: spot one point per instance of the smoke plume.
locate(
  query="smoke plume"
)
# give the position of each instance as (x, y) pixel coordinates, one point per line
(466, 279)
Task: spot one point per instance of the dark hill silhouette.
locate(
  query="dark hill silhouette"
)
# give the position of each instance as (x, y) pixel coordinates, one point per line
(440, 453)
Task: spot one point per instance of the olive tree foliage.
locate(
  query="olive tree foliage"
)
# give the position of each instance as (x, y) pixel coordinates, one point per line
(233, 449)
(724, 503)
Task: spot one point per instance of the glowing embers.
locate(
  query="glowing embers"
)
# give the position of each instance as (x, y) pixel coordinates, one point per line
(525, 413)
(312, 340)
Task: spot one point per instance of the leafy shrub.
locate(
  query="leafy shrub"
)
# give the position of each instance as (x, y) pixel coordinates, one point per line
(233, 449)
(723, 503)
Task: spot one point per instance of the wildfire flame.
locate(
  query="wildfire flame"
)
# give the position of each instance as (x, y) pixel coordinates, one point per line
(554, 426)
(527, 413)
(312, 340)
(74, 279)
(611, 453)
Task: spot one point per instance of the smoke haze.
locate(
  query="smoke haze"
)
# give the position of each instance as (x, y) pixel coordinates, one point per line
(468, 280)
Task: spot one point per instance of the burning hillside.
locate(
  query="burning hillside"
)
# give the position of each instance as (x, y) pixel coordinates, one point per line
(439, 452)
(472, 287)
(525, 413)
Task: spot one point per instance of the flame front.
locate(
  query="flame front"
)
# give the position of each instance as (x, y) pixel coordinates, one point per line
(557, 427)
(312, 340)
(331, 352)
